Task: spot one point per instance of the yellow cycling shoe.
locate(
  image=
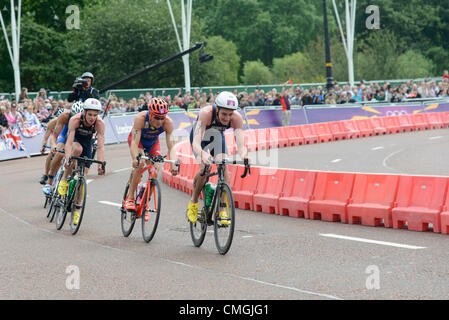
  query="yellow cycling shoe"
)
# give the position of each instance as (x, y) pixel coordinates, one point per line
(224, 218)
(192, 212)
(62, 187)
(76, 217)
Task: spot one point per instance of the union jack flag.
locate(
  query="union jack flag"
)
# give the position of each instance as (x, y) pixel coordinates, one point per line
(12, 139)
(30, 130)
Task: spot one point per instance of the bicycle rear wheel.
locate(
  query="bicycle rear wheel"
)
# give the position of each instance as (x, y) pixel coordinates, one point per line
(151, 210)
(128, 219)
(80, 192)
(224, 226)
(199, 228)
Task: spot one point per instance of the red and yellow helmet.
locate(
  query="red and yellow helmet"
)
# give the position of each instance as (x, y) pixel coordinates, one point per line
(158, 108)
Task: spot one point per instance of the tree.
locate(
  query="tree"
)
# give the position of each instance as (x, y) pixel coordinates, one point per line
(256, 72)
(123, 38)
(412, 65)
(44, 58)
(377, 56)
(291, 67)
(222, 70)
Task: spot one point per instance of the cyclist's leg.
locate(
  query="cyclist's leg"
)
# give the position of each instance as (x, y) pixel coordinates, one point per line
(48, 160)
(77, 149)
(56, 162)
(135, 174)
(198, 180)
(156, 151)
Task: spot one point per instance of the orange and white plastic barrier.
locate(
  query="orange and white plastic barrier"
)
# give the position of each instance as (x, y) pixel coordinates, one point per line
(387, 200)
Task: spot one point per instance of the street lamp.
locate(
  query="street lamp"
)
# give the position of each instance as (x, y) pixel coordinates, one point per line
(329, 79)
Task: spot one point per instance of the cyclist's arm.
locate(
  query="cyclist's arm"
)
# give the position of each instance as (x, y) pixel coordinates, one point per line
(51, 125)
(136, 133)
(169, 139)
(100, 129)
(239, 138)
(198, 133)
(60, 123)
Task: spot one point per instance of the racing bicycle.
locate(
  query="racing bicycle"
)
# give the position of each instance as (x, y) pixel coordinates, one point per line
(148, 200)
(222, 200)
(76, 194)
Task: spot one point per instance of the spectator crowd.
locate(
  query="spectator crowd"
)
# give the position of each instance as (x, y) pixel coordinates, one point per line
(42, 108)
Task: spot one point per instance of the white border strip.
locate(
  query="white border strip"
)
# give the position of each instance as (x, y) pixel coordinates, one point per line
(392, 244)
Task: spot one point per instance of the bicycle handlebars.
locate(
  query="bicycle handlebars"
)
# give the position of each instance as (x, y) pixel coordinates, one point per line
(86, 159)
(157, 158)
(227, 161)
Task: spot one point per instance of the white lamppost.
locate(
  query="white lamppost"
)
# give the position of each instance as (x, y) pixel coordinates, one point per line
(14, 54)
(348, 42)
(186, 18)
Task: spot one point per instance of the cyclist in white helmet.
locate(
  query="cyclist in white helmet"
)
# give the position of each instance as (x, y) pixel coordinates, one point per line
(58, 140)
(208, 141)
(80, 139)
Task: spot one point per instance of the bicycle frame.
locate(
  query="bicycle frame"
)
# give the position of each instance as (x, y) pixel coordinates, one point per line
(220, 182)
(152, 174)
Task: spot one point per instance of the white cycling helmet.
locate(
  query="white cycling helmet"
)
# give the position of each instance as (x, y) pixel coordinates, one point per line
(77, 107)
(92, 104)
(227, 100)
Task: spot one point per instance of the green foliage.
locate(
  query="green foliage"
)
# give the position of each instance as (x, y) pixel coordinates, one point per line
(255, 72)
(222, 70)
(377, 58)
(258, 41)
(412, 64)
(43, 58)
(291, 67)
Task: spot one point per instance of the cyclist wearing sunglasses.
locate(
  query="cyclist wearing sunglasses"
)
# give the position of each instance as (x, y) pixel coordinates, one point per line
(144, 139)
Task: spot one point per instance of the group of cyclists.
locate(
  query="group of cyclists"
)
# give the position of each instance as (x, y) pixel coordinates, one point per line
(73, 131)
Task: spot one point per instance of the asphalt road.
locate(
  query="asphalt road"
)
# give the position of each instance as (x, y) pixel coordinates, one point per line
(272, 257)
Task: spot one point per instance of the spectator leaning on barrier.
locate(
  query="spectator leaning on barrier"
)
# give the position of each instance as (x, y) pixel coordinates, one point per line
(23, 95)
(83, 89)
(445, 74)
(306, 98)
(3, 121)
(296, 98)
(14, 117)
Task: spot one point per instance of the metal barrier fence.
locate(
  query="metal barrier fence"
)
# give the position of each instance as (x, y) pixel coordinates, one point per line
(118, 126)
(128, 94)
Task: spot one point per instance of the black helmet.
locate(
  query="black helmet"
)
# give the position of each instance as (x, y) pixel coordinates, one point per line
(88, 75)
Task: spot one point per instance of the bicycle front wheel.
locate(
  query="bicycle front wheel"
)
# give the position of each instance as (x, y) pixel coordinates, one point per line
(78, 205)
(128, 219)
(54, 195)
(59, 213)
(198, 229)
(224, 218)
(151, 210)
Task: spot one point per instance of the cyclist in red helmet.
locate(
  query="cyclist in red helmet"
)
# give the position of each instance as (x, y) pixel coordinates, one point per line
(144, 137)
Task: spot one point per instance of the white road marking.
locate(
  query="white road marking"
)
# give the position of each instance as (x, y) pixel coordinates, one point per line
(336, 160)
(247, 236)
(120, 170)
(89, 181)
(436, 137)
(392, 244)
(377, 148)
(384, 162)
(109, 203)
